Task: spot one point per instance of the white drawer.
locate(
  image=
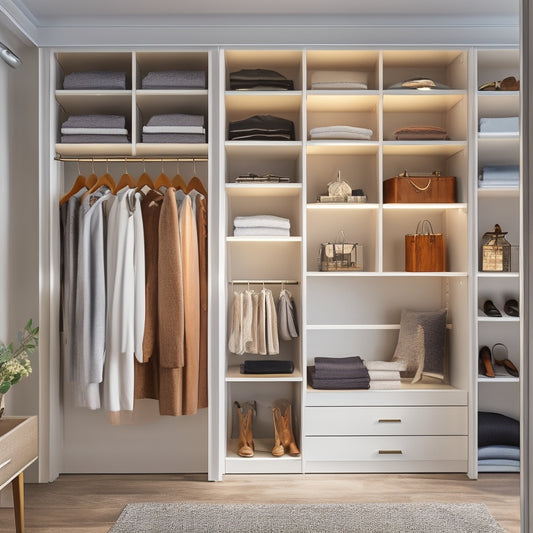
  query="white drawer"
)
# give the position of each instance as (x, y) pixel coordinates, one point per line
(386, 449)
(434, 420)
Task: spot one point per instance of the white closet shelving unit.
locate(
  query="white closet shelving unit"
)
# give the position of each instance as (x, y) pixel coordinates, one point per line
(258, 259)
(87, 442)
(498, 206)
(349, 313)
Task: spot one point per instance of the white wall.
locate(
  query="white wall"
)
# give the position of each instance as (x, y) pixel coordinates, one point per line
(19, 236)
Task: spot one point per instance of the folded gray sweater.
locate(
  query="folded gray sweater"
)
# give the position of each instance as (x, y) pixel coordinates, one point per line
(176, 119)
(80, 139)
(173, 137)
(95, 121)
(174, 79)
(99, 80)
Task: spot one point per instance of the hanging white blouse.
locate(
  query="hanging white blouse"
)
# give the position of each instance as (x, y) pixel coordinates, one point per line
(125, 299)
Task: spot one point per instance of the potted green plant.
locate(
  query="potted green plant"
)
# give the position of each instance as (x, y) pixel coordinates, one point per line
(15, 364)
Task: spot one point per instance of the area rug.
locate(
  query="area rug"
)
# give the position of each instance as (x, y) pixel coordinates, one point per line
(305, 518)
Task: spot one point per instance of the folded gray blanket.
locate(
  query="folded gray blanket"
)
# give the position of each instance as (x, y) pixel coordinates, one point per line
(176, 119)
(100, 80)
(95, 121)
(80, 139)
(340, 383)
(173, 138)
(174, 79)
(340, 367)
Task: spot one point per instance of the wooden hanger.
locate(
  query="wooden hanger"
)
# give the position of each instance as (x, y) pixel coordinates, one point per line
(178, 182)
(126, 180)
(196, 183)
(79, 184)
(105, 180)
(92, 179)
(144, 179)
(162, 180)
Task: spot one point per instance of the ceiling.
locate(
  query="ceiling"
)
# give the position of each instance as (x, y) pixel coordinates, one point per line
(121, 22)
(52, 12)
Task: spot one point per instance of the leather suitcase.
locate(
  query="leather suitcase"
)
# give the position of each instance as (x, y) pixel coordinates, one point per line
(429, 188)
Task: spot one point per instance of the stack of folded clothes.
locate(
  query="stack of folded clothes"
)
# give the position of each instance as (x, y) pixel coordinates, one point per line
(338, 80)
(262, 178)
(95, 80)
(94, 129)
(261, 226)
(499, 176)
(499, 125)
(174, 79)
(267, 367)
(420, 83)
(340, 132)
(261, 128)
(385, 374)
(259, 79)
(421, 133)
(174, 128)
(339, 373)
(498, 443)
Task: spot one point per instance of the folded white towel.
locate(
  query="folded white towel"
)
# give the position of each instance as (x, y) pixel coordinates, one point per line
(341, 135)
(385, 385)
(94, 131)
(261, 232)
(386, 365)
(340, 132)
(173, 129)
(384, 375)
(255, 221)
(339, 85)
(321, 76)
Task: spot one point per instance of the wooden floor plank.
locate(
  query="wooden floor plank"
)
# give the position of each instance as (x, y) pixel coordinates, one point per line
(92, 503)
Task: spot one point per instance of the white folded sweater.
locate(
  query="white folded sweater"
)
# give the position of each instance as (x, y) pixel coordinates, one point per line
(257, 221)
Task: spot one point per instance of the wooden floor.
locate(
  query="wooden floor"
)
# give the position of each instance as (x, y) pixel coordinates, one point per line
(92, 503)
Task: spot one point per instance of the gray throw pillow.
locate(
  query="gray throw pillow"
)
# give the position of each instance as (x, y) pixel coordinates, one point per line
(422, 344)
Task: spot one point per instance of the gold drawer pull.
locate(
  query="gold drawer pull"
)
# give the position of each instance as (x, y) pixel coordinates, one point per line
(390, 452)
(387, 420)
(5, 463)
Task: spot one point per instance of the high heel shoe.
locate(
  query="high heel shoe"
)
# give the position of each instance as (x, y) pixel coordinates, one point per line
(485, 362)
(283, 436)
(246, 412)
(501, 358)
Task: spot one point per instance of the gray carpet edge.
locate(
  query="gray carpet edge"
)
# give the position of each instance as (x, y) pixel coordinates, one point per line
(192, 517)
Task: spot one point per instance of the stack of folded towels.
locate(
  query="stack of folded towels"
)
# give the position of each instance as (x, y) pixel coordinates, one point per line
(95, 80)
(94, 129)
(338, 80)
(385, 374)
(340, 132)
(174, 128)
(498, 177)
(174, 79)
(498, 125)
(339, 373)
(498, 443)
(261, 226)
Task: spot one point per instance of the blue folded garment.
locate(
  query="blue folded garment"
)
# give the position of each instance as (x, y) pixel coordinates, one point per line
(501, 173)
(499, 125)
(498, 462)
(499, 452)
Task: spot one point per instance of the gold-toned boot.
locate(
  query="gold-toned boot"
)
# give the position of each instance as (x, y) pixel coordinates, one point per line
(245, 412)
(284, 441)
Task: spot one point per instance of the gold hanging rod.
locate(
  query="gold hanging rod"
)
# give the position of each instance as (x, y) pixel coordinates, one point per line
(264, 282)
(129, 159)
